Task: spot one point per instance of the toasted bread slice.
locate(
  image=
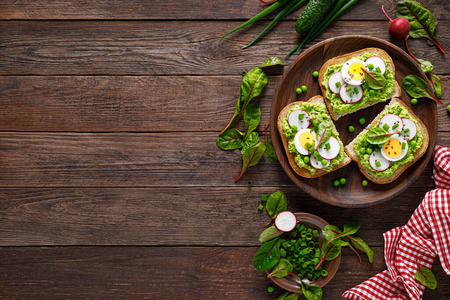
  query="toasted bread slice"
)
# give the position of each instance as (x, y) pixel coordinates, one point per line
(342, 59)
(350, 150)
(291, 156)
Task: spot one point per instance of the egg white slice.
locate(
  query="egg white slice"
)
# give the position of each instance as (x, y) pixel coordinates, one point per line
(392, 121)
(334, 150)
(377, 62)
(293, 119)
(352, 73)
(383, 163)
(389, 149)
(298, 146)
(411, 125)
(316, 163)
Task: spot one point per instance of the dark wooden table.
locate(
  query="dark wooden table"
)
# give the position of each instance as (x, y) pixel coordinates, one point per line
(111, 183)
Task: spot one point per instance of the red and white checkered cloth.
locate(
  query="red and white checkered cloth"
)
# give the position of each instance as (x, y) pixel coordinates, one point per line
(426, 235)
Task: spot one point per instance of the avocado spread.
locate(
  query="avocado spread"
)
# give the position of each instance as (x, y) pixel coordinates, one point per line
(413, 145)
(318, 112)
(380, 95)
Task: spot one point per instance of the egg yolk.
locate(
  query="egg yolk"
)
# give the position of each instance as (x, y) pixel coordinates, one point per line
(393, 148)
(306, 138)
(355, 71)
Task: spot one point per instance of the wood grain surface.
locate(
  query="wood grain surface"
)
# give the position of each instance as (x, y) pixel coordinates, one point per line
(112, 185)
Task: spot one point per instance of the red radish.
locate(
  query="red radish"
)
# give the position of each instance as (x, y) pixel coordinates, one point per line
(266, 2)
(409, 124)
(377, 61)
(285, 221)
(349, 97)
(317, 162)
(391, 121)
(383, 163)
(399, 28)
(334, 150)
(335, 78)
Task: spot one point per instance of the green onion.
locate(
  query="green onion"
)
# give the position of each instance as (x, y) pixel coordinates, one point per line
(378, 69)
(264, 198)
(327, 146)
(338, 84)
(300, 116)
(403, 145)
(356, 90)
(386, 127)
(261, 207)
(378, 164)
(348, 89)
(395, 126)
(406, 130)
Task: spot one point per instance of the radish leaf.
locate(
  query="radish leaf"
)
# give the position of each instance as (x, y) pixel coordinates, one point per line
(250, 141)
(426, 65)
(270, 151)
(426, 277)
(267, 255)
(272, 61)
(230, 139)
(361, 245)
(375, 80)
(281, 269)
(311, 291)
(378, 136)
(251, 157)
(252, 117)
(416, 87)
(269, 234)
(323, 133)
(276, 203)
(436, 81)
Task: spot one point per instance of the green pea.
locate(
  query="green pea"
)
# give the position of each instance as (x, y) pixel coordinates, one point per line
(414, 101)
(336, 183)
(315, 122)
(342, 181)
(306, 159)
(371, 92)
(304, 88)
(364, 182)
(370, 66)
(294, 128)
(351, 128)
(362, 151)
(324, 162)
(315, 74)
(369, 150)
(448, 108)
(270, 289)
(298, 91)
(362, 121)
(413, 144)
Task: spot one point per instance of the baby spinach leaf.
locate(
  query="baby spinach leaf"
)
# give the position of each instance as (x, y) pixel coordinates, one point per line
(378, 136)
(276, 203)
(281, 269)
(436, 81)
(267, 255)
(251, 157)
(422, 21)
(426, 65)
(230, 139)
(252, 117)
(269, 234)
(311, 291)
(272, 61)
(251, 140)
(252, 85)
(361, 245)
(323, 133)
(426, 277)
(375, 80)
(416, 87)
(270, 151)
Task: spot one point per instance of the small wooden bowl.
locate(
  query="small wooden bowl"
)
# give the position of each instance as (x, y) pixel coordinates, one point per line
(289, 283)
(299, 73)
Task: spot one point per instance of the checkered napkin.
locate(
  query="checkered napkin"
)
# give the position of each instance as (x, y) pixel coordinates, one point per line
(426, 235)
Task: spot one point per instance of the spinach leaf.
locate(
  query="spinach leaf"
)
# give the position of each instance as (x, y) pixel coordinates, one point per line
(361, 245)
(423, 22)
(252, 117)
(269, 234)
(426, 65)
(416, 87)
(378, 136)
(276, 203)
(436, 84)
(230, 139)
(375, 80)
(250, 141)
(323, 133)
(272, 61)
(251, 157)
(267, 255)
(426, 277)
(281, 269)
(311, 291)
(270, 151)
(252, 85)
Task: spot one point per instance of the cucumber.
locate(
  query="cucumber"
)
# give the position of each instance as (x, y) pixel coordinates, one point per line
(312, 13)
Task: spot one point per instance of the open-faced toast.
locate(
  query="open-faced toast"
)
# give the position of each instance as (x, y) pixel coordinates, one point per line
(366, 165)
(341, 160)
(338, 107)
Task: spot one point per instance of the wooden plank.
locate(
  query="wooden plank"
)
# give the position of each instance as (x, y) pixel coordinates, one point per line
(135, 104)
(165, 48)
(137, 160)
(173, 9)
(164, 273)
(169, 216)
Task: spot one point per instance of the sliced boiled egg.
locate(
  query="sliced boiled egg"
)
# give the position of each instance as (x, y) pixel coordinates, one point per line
(299, 118)
(377, 62)
(409, 129)
(395, 148)
(352, 71)
(303, 138)
(378, 162)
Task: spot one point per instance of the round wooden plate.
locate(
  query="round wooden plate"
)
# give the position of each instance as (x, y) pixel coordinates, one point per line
(299, 73)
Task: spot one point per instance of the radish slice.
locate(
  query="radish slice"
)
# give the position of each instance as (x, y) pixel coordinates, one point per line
(375, 157)
(335, 81)
(391, 120)
(285, 221)
(294, 119)
(376, 61)
(350, 96)
(409, 124)
(334, 148)
(316, 163)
